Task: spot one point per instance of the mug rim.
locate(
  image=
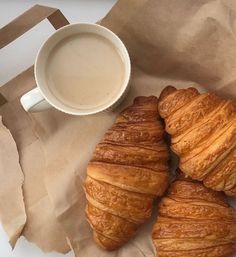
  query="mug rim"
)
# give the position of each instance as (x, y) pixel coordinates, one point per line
(124, 85)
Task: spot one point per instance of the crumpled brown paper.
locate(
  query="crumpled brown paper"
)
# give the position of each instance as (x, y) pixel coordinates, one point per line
(13, 219)
(32, 217)
(41, 225)
(181, 42)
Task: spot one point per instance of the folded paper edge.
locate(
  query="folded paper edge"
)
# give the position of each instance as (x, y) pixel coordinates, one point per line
(15, 227)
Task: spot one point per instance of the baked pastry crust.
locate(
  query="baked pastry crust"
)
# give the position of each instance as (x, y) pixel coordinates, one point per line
(194, 221)
(203, 135)
(127, 172)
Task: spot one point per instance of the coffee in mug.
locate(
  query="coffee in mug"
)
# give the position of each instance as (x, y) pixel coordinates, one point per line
(85, 71)
(81, 69)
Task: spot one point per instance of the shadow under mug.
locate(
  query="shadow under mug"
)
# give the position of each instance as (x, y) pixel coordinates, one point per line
(41, 98)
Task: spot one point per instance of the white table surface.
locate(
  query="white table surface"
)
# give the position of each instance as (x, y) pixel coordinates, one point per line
(21, 54)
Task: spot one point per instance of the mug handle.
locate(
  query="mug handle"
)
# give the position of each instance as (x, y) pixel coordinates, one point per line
(33, 101)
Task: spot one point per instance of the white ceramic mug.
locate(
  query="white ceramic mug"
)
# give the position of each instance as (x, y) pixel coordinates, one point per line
(41, 98)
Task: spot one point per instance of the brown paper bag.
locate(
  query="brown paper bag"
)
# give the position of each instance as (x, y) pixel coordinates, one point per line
(182, 42)
(156, 62)
(39, 209)
(13, 219)
(41, 226)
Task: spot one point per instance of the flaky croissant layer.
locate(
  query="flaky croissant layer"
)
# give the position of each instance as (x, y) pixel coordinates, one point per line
(203, 135)
(194, 221)
(127, 171)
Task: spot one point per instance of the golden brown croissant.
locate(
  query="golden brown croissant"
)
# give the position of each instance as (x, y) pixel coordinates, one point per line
(194, 221)
(203, 130)
(127, 171)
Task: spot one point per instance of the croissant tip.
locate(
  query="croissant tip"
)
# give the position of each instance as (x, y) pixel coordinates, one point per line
(167, 91)
(144, 99)
(105, 246)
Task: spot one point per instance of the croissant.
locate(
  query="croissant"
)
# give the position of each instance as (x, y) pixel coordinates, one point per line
(203, 130)
(194, 221)
(127, 172)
